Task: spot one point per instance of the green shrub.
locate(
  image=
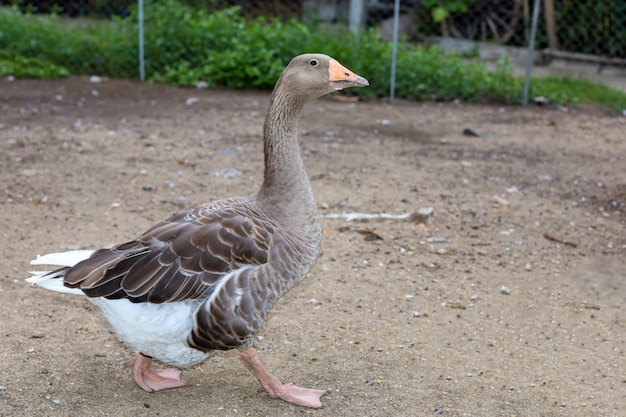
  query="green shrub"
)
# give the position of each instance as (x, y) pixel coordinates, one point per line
(25, 67)
(224, 49)
(84, 47)
(221, 49)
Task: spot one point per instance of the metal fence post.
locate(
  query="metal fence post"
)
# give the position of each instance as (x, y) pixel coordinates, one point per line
(356, 15)
(142, 68)
(394, 50)
(531, 51)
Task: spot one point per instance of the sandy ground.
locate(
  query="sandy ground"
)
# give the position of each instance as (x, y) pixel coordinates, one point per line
(398, 317)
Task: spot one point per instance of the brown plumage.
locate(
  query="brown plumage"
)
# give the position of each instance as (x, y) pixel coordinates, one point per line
(215, 270)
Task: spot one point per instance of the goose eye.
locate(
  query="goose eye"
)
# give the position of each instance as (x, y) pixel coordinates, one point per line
(313, 62)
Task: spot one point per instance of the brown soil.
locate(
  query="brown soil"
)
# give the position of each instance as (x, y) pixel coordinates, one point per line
(397, 318)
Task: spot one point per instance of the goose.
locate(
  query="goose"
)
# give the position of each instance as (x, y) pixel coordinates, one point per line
(206, 277)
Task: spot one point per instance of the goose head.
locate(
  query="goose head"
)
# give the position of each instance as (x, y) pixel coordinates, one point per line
(313, 75)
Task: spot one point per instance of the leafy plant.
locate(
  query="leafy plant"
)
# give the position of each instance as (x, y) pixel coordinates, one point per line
(441, 9)
(25, 67)
(104, 47)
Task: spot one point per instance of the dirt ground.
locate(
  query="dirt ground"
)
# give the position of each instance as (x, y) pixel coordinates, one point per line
(508, 300)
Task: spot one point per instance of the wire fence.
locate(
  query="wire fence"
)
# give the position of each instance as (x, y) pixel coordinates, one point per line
(578, 31)
(592, 27)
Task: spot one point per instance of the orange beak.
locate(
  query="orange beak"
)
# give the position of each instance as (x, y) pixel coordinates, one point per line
(341, 77)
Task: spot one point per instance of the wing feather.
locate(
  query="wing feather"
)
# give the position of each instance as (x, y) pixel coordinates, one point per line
(166, 288)
(143, 275)
(180, 258)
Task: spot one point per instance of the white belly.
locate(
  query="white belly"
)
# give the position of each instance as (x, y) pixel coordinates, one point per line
(157, 330)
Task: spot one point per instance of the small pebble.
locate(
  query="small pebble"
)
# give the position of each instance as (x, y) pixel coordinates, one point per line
(504, 290)
(37, 335)
(469, 132)
(501, 200)
(147, 188)
(425, 211)
(422, 215)
(56, 401)
(513, 189)
(228, 151)
(228, 173)
(416, 313)
(435, 239)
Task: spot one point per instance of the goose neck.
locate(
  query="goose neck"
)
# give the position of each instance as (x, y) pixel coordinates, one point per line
(284, 170)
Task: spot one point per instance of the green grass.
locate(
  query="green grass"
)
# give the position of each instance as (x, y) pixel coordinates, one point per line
(566, 90)
(184, 46)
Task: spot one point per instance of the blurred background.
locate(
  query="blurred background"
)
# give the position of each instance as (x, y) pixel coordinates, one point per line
(578, 38)
(593, 27)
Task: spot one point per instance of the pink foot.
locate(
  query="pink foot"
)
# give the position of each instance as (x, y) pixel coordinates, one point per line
(152, 380)
(306, 397)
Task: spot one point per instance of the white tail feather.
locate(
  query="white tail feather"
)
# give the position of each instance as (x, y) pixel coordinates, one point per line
(60, 259)
(69, 258)
(52, 283)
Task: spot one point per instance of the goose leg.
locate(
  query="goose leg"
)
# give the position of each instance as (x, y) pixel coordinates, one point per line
(306, 397)
(152, 380)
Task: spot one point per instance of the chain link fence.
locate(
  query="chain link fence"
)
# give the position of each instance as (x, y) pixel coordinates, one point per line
(589, 31)
(591, 27)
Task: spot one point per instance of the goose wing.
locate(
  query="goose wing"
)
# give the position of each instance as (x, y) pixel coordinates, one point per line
(179, 258)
